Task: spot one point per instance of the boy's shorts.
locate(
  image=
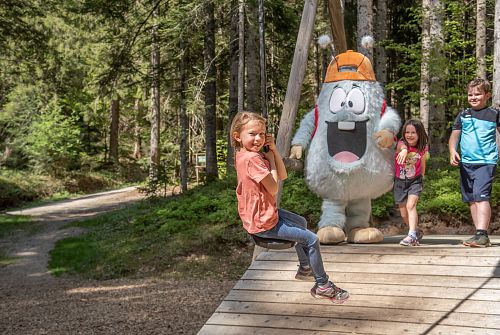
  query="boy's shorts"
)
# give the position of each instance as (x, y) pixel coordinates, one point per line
(404, 187)
(476, 181)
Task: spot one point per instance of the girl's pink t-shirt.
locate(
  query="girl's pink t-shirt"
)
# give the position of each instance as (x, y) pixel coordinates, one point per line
(256, 206)
(412, 166)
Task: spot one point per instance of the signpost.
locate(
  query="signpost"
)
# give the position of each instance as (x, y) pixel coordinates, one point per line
(201, 164)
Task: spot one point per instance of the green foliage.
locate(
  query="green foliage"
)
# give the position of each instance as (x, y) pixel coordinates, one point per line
(53, 142)
(11, 223)
(442, 193)
(222, 156)
(18, 188)
(298, 198)
(159, 234)
(383, 206)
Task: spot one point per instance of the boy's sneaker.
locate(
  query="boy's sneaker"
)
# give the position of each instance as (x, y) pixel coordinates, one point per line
(478, 241)
(304, 274)
(409, 241)
(332, 292)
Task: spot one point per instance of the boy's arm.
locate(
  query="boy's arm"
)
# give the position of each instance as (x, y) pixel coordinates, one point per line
(452, 147)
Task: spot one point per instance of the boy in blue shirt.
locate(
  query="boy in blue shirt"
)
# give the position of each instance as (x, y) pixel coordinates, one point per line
(475, 129)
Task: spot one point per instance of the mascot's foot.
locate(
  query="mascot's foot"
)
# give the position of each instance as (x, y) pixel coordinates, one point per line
(365, 235)
(330, 235)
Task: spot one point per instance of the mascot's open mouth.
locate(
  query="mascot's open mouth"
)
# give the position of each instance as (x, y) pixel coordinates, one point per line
(346, 140)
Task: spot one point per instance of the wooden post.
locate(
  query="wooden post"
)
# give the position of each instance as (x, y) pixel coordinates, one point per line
(296, 78)
(294, 87)
(336, 14)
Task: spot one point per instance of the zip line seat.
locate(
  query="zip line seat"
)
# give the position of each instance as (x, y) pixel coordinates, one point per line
(271, 243)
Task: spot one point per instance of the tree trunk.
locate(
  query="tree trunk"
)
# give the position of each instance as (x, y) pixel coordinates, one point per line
(336, 13)
(496, 58)
(233, 80)
(138, 115)
(241, 56)
(381, 35)
(325, 53)
(496, 62)
(210, 95)
(365, 25)
(317, 68)
(424, 68)
(262, 58)
(437, 70)
(481, 38)
(154, 156)
(114, 128)
(252, 58)
(184, 122)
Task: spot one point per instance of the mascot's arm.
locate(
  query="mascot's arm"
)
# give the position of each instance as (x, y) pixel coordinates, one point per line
(303, 135)
(388, 127)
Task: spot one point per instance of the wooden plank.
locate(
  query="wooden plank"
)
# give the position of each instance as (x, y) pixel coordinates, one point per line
(379, 289)
(334, 324)
(353, 277)
(438, 288)
(390, 259)
(250, 330)
(400, 250)
(442, 270)
(345, 311)
(376, 301)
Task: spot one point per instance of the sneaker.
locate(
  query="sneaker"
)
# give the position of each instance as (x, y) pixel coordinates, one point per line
(332, 292)
(478, 241)
(420, 235)
(409, 241)
(304, 274)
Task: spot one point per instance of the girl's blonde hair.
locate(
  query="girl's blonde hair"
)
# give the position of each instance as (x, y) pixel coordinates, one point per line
(241, 119)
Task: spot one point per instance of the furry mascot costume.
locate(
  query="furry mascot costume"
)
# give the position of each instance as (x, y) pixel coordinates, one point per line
(350, 135)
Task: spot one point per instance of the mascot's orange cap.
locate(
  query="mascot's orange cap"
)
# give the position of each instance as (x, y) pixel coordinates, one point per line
(350, 65)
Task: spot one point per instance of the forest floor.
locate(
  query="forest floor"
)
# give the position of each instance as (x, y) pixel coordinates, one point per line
(35, 302)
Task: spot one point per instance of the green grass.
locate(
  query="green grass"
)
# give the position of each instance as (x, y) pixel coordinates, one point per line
(9, 224)
(29, 188)
(196, 234)
(199, 233)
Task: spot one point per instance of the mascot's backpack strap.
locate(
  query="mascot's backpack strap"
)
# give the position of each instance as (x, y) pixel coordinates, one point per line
(316, 116)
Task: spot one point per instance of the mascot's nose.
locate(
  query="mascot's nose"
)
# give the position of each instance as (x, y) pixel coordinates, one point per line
(347, 125)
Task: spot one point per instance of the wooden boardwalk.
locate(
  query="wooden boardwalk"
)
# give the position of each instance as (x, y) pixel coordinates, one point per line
(440, 287)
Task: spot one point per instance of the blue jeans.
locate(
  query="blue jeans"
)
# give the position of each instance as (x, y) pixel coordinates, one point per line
(293, 227)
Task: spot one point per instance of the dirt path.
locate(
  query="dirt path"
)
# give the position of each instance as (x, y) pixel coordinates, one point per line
(34, 302)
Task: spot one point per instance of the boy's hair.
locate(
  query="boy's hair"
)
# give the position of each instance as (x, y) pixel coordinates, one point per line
(480, 83)
(241, 119)
(423, 139)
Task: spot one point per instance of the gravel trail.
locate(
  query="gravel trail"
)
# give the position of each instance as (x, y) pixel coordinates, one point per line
(34, 302)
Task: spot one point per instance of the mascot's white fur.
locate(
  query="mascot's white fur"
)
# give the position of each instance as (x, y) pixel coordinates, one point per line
(350, 135)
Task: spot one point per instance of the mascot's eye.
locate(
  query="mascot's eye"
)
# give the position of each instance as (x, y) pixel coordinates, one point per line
(356, 101)
(337, 100)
